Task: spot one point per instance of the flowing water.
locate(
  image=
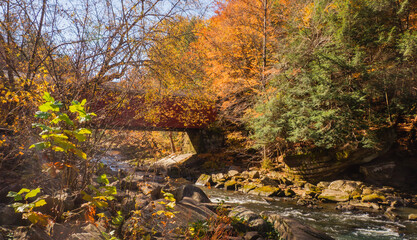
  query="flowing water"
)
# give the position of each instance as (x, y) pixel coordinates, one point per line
(340, 225)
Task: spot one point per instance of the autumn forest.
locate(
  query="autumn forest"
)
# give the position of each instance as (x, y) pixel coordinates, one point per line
(112, 110)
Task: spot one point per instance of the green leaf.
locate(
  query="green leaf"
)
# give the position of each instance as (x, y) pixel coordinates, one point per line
(48, 106)
(40, 145)
(55, 136)
(79, 137)
(79, 153)
(41, 126)
(118, 220)
(64, 117)
(63, 143)
(15, 195)
(103, 179)
(47, 97)
(83, 131)
(87, 196)
(94, 189)
(110, 190)
(100, 203)
(42, 115)
(32, 193)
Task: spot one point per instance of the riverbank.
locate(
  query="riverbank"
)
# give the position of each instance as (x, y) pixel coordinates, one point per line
(389, 211)
(137, 207)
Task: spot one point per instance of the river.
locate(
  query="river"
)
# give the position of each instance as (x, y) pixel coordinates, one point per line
(339, 225)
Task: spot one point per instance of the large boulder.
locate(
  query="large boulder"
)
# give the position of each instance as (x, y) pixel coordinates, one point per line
(325, 164)
(252, 220)
(334, 195)
(9, 217)
(88, 232)
(266, 191)
(191, 191)
(248, 187)
(290, 229)
(347, 186)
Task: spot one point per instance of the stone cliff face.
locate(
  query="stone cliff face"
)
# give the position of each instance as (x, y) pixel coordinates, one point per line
(325, 164)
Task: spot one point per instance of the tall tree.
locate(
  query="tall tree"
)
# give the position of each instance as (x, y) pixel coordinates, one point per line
(345, 73)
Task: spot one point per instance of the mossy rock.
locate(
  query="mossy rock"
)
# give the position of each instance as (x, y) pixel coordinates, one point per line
(373, 198)
(204, 180)
(323, 185)
(289, 193)
(247, 187)
(231, 185)
(219, 177)
(334, 195)
(266, 191)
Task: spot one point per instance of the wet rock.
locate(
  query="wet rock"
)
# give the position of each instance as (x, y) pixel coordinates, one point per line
(132, 201)
(219, 177)
(268, 181)
(254, 174)
(334, 195)
(31, 233)
(412, 217)
(247, 187)
(289, 192)
(193, 192)
(291, 229)
(204, 180)
(266, 191)
(152, 189)
(310, 187)
(279, 178)
(89, 232)
(9, 217)
(311, 190)
(321, 164)
(253, 220)
(390, 214)
(378, 172)
(252, 235)
(367, 191)
(302, 202)
(345, 207)
(323, 185)
(245, 174)
(232, 173)
(367, 205)
(373, 198)
(231, 185)
(347, 186)
(165, 165)
(131, 183)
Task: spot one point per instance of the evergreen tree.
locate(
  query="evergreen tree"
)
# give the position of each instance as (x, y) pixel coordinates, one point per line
(345, 71)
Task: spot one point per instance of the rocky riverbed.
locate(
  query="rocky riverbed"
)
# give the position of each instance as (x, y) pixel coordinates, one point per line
(237, 202)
